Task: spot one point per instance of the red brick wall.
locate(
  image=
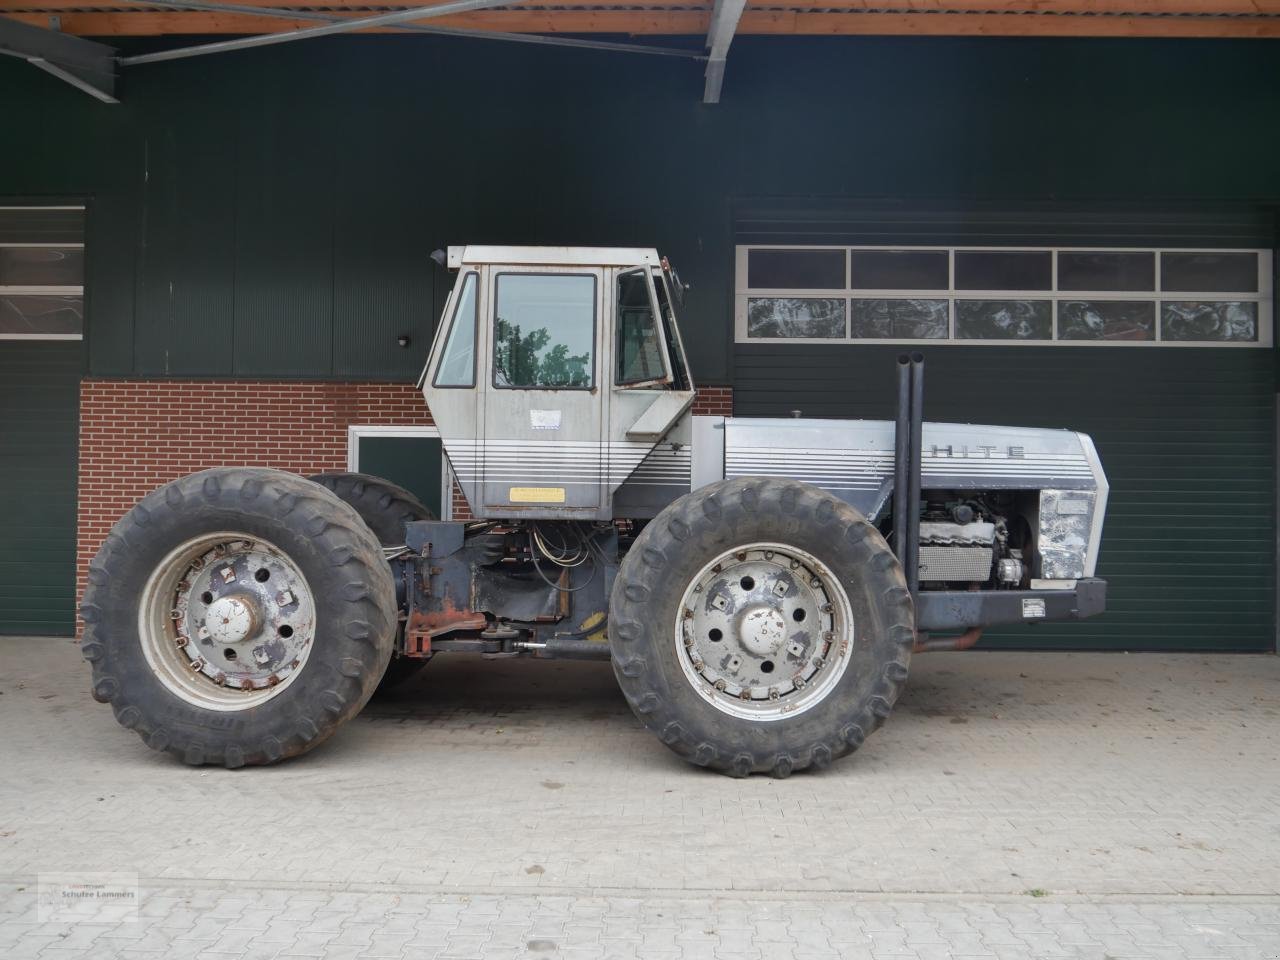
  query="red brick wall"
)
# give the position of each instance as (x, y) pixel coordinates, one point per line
(713, 402)
(138, 434)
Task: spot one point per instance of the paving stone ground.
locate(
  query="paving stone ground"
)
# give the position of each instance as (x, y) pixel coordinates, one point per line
(1017, 805)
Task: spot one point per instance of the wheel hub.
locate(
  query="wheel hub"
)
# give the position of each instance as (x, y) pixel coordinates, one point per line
(764, 631)
(227, 620)
(761, 630)
(231, 619)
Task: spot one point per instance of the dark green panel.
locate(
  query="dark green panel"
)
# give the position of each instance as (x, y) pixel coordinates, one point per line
(39, 416)
(186, 252)
(383, 277)
(1186, 437)
(410, 462)
(285, 191)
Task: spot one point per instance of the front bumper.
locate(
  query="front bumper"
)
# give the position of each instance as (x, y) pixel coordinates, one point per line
(961, 609)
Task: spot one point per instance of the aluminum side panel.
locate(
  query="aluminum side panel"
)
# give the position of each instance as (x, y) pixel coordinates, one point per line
(853, 459)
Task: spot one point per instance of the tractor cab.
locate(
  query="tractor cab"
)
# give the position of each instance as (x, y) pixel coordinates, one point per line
(554, 373)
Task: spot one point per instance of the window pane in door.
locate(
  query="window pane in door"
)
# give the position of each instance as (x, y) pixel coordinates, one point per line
(33, 316)
(1089, 270)
(795, 269)
(1228, 322)
(458, 364)
(800, 318)
(41, 267)
(900, 270)
(544, 331)
(1004, 319)
(1209, 272)
(1106, 320)
(891, 319)
(1004, 270)
(639, 351)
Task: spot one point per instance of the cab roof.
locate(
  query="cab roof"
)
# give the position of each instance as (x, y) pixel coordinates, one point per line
(555, 256)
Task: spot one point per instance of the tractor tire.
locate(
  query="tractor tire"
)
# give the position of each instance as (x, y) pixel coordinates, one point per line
(761, 625)
(238, 617)
(385, 508)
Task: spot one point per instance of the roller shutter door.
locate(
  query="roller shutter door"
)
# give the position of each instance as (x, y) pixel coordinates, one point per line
(41, 360)
(39, 390)
(1187, 434)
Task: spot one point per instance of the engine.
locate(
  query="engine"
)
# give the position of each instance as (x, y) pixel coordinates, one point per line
(968, 541)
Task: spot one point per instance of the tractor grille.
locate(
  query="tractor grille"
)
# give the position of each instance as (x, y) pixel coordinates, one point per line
(953, 551)
(955, 563)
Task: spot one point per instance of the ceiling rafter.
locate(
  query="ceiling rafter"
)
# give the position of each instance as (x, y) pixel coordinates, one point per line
(724, 24)
(84, 64)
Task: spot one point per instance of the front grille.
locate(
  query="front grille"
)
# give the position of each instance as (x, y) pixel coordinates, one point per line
(955, 563)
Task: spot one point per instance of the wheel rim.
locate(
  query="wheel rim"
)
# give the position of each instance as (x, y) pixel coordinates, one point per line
(227, 621)
(764, 631)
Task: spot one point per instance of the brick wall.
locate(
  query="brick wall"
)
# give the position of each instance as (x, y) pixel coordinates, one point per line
(138, 434)
(713, 402)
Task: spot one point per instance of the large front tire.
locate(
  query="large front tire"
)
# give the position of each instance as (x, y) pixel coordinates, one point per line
(238, 616)
(761, 626)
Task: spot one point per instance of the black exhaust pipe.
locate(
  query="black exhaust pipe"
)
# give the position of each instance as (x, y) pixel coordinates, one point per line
(901, 456)
(913, 473)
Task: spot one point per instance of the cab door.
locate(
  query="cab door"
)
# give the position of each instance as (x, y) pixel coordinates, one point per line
(543, 421)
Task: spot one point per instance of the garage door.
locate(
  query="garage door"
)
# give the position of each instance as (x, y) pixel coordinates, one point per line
(1161, 350)
(41, 328)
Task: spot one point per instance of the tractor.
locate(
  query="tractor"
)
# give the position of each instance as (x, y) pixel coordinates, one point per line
(759, 584)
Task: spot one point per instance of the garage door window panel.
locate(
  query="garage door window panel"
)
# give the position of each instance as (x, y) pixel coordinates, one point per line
(1046, 296)
(41, 291)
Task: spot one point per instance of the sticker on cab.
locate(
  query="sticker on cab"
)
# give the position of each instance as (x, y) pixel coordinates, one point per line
(544, 419)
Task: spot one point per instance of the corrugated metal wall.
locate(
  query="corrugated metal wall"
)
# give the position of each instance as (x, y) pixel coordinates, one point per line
(39, 413)
(1187, 435)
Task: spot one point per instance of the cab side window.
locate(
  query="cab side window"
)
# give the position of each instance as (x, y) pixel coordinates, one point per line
(458, 361)
(638, 350)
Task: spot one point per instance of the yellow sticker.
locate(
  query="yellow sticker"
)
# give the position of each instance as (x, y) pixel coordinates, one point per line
(536, 495)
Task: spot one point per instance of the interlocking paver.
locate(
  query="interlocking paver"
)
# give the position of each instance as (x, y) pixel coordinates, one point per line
(1115, 784)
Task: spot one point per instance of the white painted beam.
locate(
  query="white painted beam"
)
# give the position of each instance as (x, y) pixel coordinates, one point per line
(724, 24)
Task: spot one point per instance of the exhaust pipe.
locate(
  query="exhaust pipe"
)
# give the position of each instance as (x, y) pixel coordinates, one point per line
(901, 456)
(913, 473)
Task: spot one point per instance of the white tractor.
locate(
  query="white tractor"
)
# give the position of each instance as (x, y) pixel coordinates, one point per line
(738, 572)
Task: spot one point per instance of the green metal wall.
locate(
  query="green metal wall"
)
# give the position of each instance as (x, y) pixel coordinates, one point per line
(39, 412)
(270, 212)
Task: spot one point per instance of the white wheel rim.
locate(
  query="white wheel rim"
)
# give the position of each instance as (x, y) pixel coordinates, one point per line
(764, 631)
(227, 621)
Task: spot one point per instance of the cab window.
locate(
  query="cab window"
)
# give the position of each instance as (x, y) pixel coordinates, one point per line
(544, 331)
(458, 361)
(639, 349)
(679, 375)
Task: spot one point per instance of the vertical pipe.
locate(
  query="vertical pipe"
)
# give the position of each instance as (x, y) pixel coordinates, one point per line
(913, 473)
(901, 456)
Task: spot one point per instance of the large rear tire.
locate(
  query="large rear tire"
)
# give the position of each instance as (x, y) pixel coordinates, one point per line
(238, 616)
(385, 509)
(761, 626)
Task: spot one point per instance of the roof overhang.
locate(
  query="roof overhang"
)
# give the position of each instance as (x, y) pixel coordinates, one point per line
(572, 22)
